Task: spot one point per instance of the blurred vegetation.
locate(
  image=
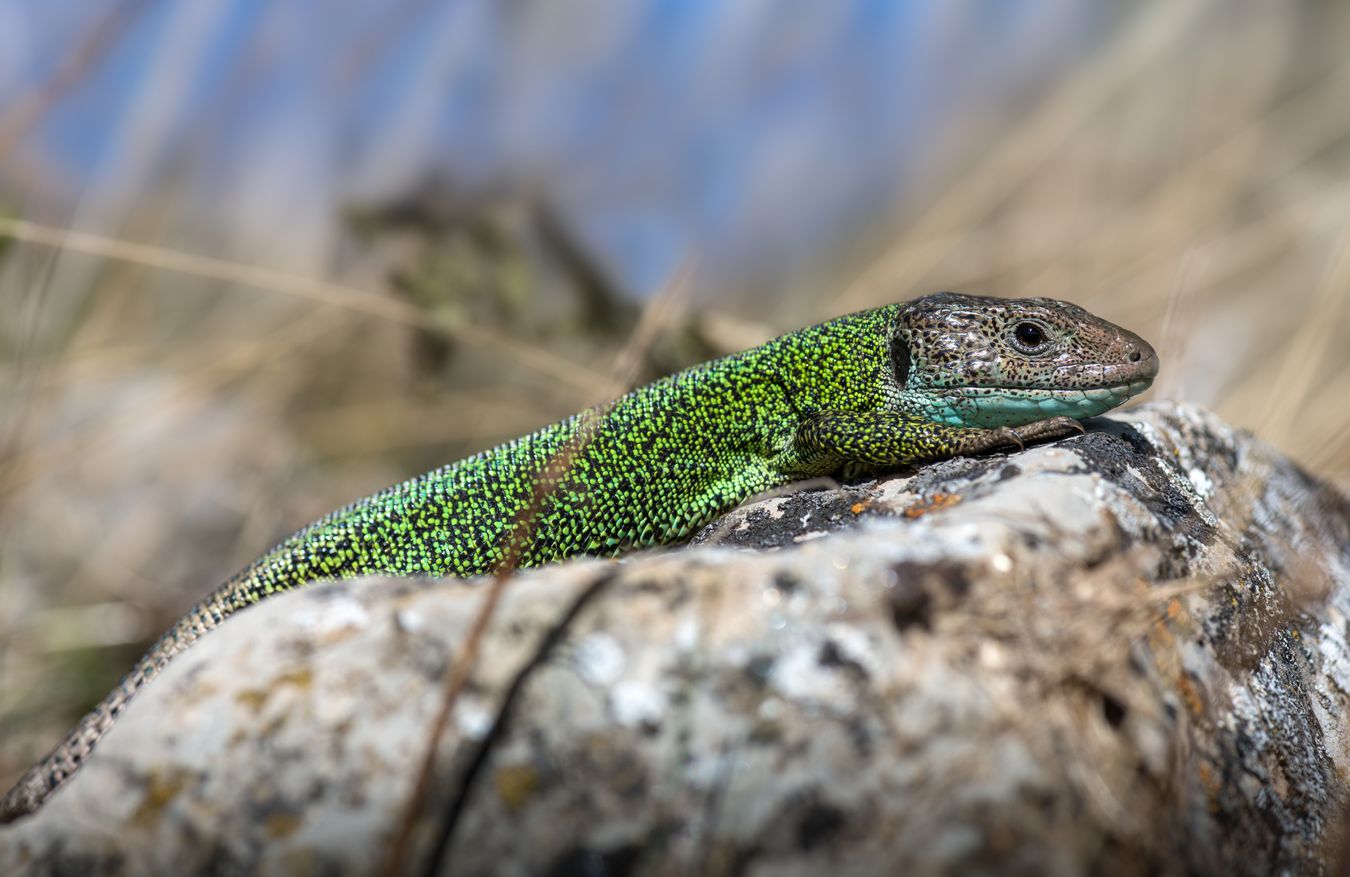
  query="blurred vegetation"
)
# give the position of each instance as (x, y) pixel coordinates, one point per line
(513, 266)
(165, 416)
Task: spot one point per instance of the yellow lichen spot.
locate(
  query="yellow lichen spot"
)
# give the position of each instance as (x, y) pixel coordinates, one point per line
(160, 789)
(279, 825)
(299, 862)
(302, 678)
(253, 698)
(515, 784)
(858, 507)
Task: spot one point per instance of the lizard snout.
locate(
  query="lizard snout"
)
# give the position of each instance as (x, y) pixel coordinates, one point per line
(1140, 357)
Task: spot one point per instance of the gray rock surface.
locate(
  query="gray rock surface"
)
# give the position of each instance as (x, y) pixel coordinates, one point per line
(1123, 653)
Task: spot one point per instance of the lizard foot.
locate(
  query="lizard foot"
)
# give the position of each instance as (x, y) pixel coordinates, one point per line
(1020, 436)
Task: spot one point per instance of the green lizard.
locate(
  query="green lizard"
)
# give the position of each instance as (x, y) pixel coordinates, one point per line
(928, 379)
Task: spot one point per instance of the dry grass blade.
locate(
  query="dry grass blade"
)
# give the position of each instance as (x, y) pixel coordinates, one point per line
(378, 426)
(1014, 160)
(659, 312)
(238, 359)
(1205, 190)
(323, 292)
(33, 104)
(1302, 369)
(1172, 343)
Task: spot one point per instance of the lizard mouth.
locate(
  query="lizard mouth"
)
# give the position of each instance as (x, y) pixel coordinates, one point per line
(1119, 391)
(993, 406)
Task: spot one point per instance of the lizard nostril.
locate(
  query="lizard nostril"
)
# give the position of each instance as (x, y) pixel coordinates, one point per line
(1135, 356)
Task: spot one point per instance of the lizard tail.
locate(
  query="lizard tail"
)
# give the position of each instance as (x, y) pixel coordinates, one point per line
(48, 775)
(272, 572)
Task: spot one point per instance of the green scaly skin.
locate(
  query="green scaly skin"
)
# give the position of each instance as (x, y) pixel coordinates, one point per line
(932, 378)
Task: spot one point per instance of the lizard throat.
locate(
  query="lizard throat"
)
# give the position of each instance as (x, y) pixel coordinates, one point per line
(992, 407)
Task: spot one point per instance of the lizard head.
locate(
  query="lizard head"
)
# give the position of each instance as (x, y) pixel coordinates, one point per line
(985, 362)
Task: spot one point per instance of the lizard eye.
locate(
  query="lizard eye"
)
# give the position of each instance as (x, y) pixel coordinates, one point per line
(1030, 337)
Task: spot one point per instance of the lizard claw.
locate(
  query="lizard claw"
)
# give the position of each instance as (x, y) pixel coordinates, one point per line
(1009, 437)
(1020, 436)
(1052, 428)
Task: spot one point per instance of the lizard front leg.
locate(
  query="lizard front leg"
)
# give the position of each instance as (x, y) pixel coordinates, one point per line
(869, 441)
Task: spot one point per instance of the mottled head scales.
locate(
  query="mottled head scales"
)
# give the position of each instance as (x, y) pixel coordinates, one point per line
(981, 361)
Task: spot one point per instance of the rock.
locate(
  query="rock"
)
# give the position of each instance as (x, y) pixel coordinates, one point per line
(1123, 653)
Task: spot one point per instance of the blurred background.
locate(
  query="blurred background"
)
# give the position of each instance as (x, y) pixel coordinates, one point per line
(258, 259)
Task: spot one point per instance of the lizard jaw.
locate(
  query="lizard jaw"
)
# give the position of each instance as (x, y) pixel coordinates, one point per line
(992, 407)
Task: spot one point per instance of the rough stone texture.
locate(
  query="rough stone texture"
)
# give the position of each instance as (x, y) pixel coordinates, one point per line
(1124, 653)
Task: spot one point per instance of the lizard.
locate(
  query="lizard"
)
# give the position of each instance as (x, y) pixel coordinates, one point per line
(896, 386)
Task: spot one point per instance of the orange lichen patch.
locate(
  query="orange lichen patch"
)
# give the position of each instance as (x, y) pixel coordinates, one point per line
(1161, 638)
(1209, 781)
(1195, 704)
(859, 507)
(515, 784)
(935, 502)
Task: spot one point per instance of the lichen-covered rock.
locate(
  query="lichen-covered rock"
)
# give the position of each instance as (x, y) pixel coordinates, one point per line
(1123, 653)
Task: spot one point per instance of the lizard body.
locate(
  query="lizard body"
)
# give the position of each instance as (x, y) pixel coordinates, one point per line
(935, 377)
